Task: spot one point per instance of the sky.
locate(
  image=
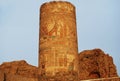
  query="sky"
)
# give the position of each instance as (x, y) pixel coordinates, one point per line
(98, 26)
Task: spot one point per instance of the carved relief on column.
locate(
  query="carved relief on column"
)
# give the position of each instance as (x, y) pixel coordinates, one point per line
(58, 36)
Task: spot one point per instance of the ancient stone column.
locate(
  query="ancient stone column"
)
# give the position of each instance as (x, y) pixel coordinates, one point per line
(58, 49)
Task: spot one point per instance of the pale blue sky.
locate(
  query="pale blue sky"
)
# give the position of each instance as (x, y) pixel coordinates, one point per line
(98, 26)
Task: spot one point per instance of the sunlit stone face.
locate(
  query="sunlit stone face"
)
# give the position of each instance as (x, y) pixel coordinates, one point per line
(58, 38)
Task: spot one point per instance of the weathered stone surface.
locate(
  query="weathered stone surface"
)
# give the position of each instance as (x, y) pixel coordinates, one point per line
(61, 76)
(18, 71)
(104, 79)
(58, 38)
(13, 77)
(1, 76)
(96, 64)
(19, 68)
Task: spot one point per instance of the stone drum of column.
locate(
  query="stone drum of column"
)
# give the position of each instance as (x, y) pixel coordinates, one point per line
(58, 50)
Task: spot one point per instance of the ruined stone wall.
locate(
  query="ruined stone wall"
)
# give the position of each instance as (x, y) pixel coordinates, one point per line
(21, 68)
(18, 71)
(22, 71)
(58, 38)
(96, 64)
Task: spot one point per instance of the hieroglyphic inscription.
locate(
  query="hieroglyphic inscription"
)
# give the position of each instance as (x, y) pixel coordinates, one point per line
(58, 36)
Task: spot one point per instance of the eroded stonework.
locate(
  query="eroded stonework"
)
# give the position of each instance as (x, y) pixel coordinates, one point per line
(18, 71)
(21, 68)
(22, 71)
(2, 75)
(58, 38)
(96, 64)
